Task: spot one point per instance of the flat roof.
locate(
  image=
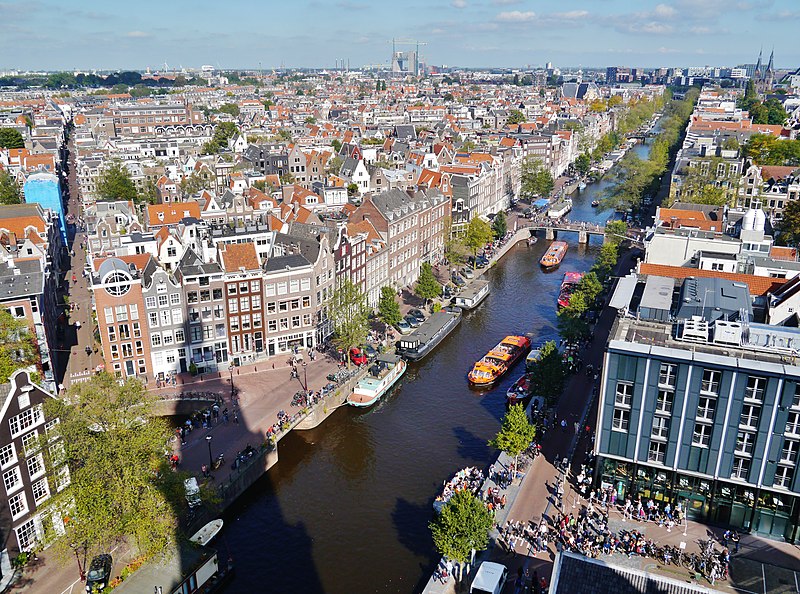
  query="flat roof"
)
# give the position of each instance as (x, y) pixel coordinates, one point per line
(658, 292)
(427, 329)
(623, 293)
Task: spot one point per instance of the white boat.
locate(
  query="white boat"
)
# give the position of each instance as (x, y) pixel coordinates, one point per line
(383, 374)
(207, 532)
(582, 186)
(559, 209)
(472, 296)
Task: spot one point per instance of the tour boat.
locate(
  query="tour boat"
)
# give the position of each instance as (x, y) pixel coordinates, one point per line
(554, 254)
(383, 374)
(432, 331)
(207, 532)
(595, 203)
(519, 390)
(568, 286)
(473, 295)
(499, 360)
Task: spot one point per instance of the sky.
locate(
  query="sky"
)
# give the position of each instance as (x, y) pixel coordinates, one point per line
(112, 34)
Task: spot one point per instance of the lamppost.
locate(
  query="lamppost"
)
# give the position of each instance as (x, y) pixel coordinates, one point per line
(231, 368)
(305, 376)
(210, 459)
(81, 572)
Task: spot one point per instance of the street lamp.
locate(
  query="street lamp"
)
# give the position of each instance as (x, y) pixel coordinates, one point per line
(233, 390)
(210, 459)
(305, 376)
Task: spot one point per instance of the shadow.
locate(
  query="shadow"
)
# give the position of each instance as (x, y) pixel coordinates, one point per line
(470, 446)
(415, 536)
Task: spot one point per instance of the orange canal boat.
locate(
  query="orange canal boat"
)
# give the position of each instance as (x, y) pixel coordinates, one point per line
(499, 360)
(554, 254)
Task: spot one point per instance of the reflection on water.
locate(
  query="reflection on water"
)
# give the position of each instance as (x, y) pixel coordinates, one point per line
(349, 502)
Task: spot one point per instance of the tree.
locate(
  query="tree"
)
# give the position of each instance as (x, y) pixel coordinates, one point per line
(515, 116)
(515, 434)
(790, 224)
(388, 308)
(478, 234)
(223, 132)
(115, 183)
(454, 249)
(350, 315)
(352, 189)
(616, 231)
(11, 138)
(500, 225)
(230, 108)
(120, 484)
(18, 347)
(427, 285)
(536, 178)
(9, 190)
(548, 374)
(583, 163)
(335, 164)
(336, 144)
(194, 182)
(463, 525)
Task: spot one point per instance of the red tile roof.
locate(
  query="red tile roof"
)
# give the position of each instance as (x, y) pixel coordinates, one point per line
(238, 256)
(759, 285)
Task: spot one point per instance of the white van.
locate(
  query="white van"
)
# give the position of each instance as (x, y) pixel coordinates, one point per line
(490, 579)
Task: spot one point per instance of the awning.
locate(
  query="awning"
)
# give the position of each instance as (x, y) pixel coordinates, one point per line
(624, 291)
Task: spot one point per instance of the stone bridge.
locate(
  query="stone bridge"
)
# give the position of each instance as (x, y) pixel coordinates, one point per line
(582, 228)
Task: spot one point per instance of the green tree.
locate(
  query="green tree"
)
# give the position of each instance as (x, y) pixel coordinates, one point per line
(9, 190)
(583, 163)
(516, 433)
(350, 315)
(572, 324)
(427, 286)
(616, 231)
(352, 189)
(515, 116)
(500, 225)
(17, 345)
(335, 164)
(119, 479)
(115, 183)
(548, 374)
(536, 178)
(193, 183)
(336, 144)
(11, 138)
(230, 108)
(149, 193)
(606, 260)
(478, 234)
(454, 249)
(388, 308)
(790, 224)
(463, 525)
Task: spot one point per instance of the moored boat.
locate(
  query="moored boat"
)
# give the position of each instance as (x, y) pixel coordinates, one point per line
(554, 254)
(532, 359)
(499, 360)
(383, 374)
(473, 295)
(207, 532)
(568, 286)
(595, 203)
(432, 331)
(582, 186)
(519, 390)
(559, 209)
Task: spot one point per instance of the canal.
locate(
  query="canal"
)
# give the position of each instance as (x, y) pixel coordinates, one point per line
(346, 509)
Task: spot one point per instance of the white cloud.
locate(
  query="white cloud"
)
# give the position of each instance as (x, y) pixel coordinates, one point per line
(570, 15)
(459, 3)
(700, 30)
(137, 34)
(664, 11)
(516, 16)
(506, 2)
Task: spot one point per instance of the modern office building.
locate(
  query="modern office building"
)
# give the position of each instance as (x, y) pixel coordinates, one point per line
(699, 405)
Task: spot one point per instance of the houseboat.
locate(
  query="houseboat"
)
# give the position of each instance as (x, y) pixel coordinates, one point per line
(568, 286)
(554, 254)
(559, 209)
(432, 331)
(383, 374)
(499, 360)
(473, 295)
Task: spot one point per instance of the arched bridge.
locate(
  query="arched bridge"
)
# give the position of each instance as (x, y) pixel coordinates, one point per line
(584, 229)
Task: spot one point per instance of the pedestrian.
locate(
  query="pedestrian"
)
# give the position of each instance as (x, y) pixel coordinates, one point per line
(225, 415)
(564, 425)
(235, 418)
(725, 537)
(577, 427)
(735, 541)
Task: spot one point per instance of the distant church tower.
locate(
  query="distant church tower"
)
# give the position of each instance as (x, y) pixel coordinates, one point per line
(769, 76)
(757, 74)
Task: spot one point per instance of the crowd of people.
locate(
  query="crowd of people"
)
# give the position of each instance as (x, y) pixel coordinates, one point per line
(469, 478)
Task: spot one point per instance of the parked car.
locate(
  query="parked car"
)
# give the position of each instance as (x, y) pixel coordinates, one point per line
(403, 327)
(370, 352)
(490, 579)
(99, 573)
(467, 272)
(412, 321)
(417, 314)
(447, 292)
(458, 280)
(357, 356)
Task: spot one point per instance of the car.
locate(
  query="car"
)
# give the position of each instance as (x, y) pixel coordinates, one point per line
(467, 272)
(99, 573)
(370, 352)
(403, 327)
(458, 280)
(417, 314)
(357, 356)
(490, 579)
(412, 321)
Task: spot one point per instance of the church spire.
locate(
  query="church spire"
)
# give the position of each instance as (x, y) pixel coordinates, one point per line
(758, 74)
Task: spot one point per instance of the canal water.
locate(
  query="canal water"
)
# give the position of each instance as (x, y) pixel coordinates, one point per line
(346, 509)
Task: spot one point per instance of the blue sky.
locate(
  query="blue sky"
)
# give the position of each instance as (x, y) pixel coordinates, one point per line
(109, 34)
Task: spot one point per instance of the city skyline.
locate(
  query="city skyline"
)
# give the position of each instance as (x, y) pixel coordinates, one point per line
(464, 33)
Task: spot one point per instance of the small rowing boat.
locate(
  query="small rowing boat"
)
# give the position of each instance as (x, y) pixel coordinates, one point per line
(207, 532)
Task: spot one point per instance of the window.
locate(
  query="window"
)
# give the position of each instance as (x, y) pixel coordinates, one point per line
(27, 418)
(179, 336)
(163, 300)
(112, 334)
(295, 321)
(35, 465)
(255, 301)
(165, 318)
(109, 313)
(657, 452)
(41, 490)
(272, 307)
(745, 440)
(175, 299)
(231, 289)
(234, 323)
(306, 301)
(621, 419)
(255, 286)
(233, 306)
(710, 383)
(150, 302)
(749, 418)
(153, 318)
(122, 313)
(192, 296)
(155, 340)
(624, 394)
(18, 505)
(114, 351)
(272, 325)
(741, 468)
(284, 323)
(660, 428)
(269, 290)
(755, 388)
(30, 442)
(283, 306)
(168, 339)
(12, 479)
(244, 303)
(664, 402)
(702, 435)
(177, 316)
(783, 476)
(205, 295)
(666, 375)
(137, 332)
(789, 451)
(27, 536)
(706, 408)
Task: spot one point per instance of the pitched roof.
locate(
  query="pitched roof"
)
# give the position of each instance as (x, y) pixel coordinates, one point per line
(172, 214)
(759, 285)
(239, 256)
(777, 171)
